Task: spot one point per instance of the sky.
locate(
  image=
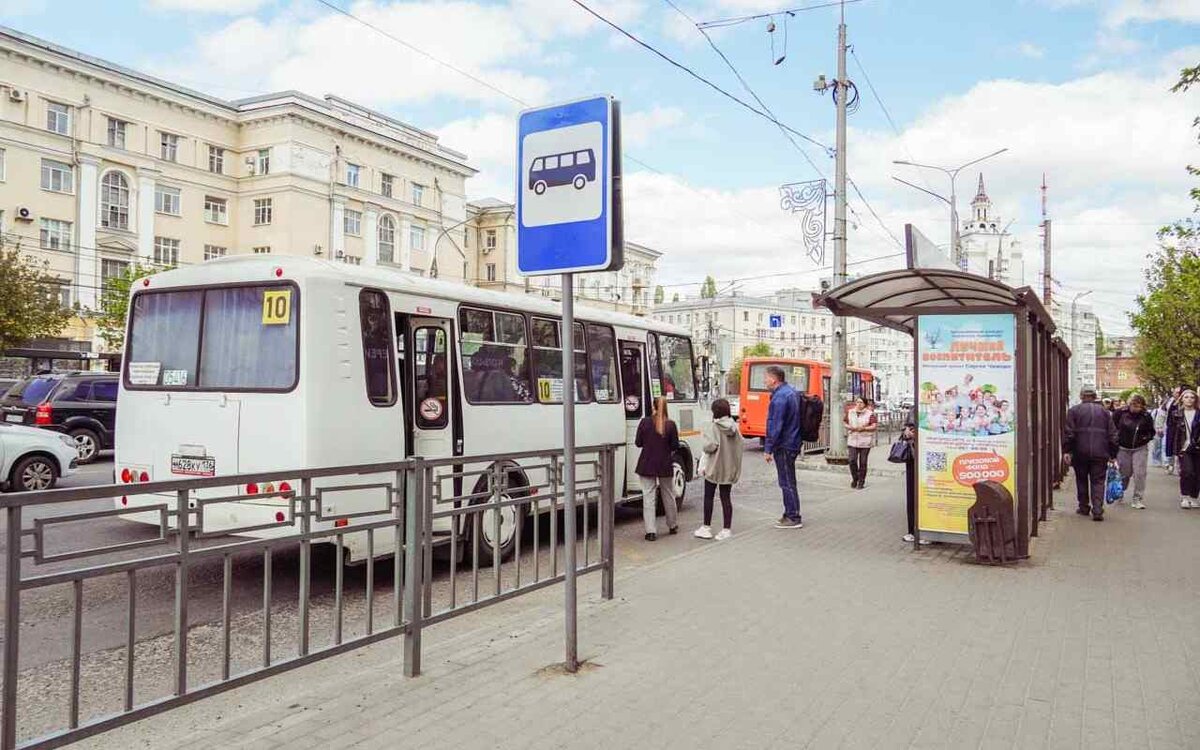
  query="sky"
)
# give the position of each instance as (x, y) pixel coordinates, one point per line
(1077, 90)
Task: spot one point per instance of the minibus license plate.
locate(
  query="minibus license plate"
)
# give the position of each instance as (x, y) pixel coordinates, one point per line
(194, 466)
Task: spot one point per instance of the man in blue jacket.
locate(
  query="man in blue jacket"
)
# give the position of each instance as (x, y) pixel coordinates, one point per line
(783, 443)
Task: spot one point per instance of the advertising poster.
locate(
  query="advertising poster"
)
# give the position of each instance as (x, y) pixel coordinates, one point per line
(966, 367)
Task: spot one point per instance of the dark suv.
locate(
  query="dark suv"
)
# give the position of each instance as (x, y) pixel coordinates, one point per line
(80, 404)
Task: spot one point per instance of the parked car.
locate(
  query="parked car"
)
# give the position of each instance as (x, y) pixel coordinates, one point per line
(33, 459)
(82, 405)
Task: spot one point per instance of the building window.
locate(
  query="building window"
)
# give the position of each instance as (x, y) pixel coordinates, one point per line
(385, 185)
(745, 316)
(352, 174)
(491, 271)
(264, 161)
(216, 160)
(216, 210)
(262, 250)
(55, 234)
(418, 194)
(111, 269)
(166, 200)
(168, 147)
(352, 222)
(2, 165)
(57, 176)
(166, 251)
(114, 201)
(489, 240)
(58, 118)
(213, 251)
(64, 295)
(263, 211)
(387, 239)
(116, 132)
(416, 238)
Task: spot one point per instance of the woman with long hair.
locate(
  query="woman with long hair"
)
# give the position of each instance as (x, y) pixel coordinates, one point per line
(1185, 444)
(658, 438)
(721, 466)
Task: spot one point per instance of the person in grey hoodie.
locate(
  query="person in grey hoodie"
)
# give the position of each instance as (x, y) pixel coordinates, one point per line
(721, 466)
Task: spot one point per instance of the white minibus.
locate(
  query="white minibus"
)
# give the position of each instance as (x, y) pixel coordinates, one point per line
(262, 364)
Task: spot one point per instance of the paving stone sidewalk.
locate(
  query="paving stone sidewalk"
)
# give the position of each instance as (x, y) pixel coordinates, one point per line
(833, 636)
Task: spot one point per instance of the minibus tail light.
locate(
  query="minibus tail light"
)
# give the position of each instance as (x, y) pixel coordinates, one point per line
(252, 489)
(126, 476)
(143, 477)
(124, 500)
(279, 516)
(285, 488)
(44, 414)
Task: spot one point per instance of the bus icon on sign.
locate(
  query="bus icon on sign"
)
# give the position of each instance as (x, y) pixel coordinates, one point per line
(575, 168)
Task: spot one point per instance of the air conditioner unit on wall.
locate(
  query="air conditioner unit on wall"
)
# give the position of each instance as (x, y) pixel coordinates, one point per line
(16, 95)
(24, 213)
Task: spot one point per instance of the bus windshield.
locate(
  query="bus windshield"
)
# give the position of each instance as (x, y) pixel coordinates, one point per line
(225, 338)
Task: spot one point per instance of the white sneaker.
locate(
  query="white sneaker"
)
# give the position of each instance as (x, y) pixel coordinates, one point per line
(909, 538)
(704, 532)
(1186, 503)
(1138, 504)
(724, 534)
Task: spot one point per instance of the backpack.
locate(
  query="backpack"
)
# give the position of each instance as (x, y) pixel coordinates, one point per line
(811, 411)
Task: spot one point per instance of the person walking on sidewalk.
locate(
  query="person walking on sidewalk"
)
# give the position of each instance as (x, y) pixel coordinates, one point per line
(1090, 444)
(1135, 430)
(658, 438)
(908, 435)
(861, 424)
(1160, 429)
(722, 467)
(1171, 405)
(1184, 428)
(782, 445)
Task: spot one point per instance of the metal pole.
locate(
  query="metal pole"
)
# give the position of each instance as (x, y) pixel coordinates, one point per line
(568, 402)
(837, 433)
(414, 501)
(955, 250)
(12, 626)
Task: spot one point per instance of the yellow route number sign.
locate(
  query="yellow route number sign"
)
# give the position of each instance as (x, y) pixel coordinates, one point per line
(277, 307)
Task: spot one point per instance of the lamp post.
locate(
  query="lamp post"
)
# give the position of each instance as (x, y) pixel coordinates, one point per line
(1075, 336)
(952, 173)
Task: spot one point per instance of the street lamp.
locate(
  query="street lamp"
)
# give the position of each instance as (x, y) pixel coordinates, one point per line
(1075, 334)
(952, 201)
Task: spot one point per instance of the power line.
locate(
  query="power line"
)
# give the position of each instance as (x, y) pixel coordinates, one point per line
(886, 113)
(723, 22)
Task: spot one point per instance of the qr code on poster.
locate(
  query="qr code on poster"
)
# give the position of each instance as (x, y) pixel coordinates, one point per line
(935, 461)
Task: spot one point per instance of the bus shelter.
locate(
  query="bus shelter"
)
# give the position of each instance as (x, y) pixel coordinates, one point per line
(990, 390)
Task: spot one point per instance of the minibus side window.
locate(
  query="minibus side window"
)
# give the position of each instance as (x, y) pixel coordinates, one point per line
(379, 369)
(602, 363)
(431, 379)
(678, 371)
(547, 362)
(495, 364)
(656, 389)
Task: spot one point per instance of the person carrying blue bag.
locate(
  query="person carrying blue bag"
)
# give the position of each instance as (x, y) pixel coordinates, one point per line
(1114, 487)
(1090, 445)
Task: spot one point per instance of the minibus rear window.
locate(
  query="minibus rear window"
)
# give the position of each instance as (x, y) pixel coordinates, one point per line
(226, 338)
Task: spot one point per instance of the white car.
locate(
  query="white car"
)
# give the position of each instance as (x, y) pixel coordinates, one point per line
(34, 459)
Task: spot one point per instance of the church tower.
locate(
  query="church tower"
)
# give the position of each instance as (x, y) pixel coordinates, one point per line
(986, 245)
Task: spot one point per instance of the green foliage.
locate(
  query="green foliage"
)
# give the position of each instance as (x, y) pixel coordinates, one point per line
(708, 290)
(1167, 319)
(659, 295)
(29, 302)
(733, 378)
(114, 305)
(761, 349)
(1102, 347)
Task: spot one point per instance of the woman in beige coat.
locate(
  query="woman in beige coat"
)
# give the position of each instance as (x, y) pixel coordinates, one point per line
(721, 466)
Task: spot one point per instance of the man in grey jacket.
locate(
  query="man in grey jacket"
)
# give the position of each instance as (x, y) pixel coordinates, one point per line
(1089, 445)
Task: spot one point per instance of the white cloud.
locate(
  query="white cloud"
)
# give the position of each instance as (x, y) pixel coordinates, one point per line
(320, 52)
(228, 7)
(1134, 11)
(1031, 50)
(637, 128)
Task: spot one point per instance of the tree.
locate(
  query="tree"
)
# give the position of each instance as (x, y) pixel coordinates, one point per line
(1167, 319)
(29, 302)
(708, 290)
(761, 349)
(659, 295)
(1101, 344)
(733, 379)
(114, 305)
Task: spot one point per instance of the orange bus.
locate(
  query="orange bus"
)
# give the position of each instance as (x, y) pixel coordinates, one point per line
(807, 376)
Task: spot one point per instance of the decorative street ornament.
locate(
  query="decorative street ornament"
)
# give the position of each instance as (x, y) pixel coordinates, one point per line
(808, 200)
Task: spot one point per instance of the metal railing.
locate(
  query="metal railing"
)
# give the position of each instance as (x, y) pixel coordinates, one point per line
(404, 510)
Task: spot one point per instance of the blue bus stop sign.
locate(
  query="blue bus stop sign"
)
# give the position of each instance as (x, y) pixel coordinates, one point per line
(568, 203)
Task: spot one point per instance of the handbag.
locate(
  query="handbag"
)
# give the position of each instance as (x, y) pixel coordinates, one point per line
(1114, 488)
(705, 462)
(901, 452)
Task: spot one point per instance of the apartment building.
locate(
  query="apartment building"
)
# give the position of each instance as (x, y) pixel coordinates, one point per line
(492, 241)
(102, 167)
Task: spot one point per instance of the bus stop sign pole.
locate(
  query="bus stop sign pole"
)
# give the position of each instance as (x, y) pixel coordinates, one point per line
(567, 339)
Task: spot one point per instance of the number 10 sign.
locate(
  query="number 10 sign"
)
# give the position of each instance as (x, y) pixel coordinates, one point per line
(568, 194)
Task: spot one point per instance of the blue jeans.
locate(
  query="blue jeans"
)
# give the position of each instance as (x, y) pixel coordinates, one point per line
(785, 467)
(1156, 451)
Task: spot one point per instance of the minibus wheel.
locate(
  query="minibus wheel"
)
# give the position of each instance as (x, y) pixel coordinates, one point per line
(510, 517)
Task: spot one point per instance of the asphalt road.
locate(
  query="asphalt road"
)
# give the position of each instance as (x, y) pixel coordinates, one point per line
(46, 613)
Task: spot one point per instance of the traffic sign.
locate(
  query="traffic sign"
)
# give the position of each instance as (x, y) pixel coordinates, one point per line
(777, 321)
(568, 199)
